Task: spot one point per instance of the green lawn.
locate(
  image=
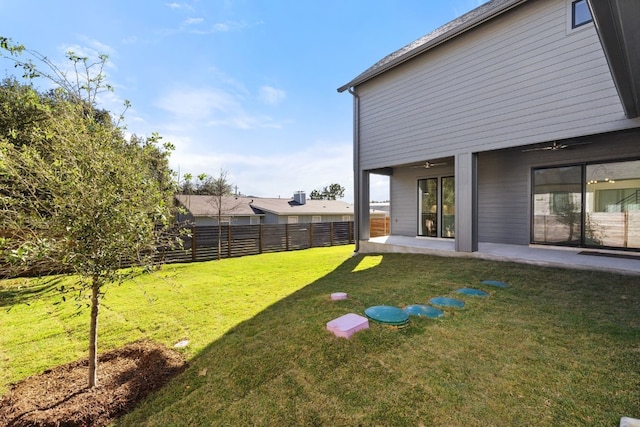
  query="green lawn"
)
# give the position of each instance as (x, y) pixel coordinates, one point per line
(557, 347)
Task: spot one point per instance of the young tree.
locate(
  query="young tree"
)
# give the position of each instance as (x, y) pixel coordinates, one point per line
(220, 190)
(76, 195)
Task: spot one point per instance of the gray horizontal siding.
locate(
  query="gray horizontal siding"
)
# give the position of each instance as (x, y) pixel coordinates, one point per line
(517, 80)
(302, 219)
(404, 203)
(404, 197)
(503, 198)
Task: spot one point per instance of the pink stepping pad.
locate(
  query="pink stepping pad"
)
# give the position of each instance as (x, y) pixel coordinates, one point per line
(347, 325)
(338, 296)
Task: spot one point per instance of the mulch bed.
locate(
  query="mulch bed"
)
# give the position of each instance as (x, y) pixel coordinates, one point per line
(60, 397)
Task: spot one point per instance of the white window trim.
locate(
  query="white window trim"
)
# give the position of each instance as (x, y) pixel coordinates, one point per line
(292, 220)
(316, 218)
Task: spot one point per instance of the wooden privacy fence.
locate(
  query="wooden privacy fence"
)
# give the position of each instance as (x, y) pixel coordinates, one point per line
(241, 240)
(379, 227)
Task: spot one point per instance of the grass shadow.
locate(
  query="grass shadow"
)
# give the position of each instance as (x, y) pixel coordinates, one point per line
(555, 347)
(19, 294)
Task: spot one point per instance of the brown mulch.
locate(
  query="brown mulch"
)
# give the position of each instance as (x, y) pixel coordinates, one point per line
(60, 397)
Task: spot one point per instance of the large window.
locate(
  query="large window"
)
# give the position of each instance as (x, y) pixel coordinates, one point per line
(596, 204)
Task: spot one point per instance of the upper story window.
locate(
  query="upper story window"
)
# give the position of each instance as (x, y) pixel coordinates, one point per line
(580, 13)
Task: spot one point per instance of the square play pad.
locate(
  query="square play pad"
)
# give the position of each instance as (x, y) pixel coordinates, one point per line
(347, 325)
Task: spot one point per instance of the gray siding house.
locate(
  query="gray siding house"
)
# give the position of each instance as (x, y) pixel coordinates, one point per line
(515, 123)
(202, 211)
(300, 210)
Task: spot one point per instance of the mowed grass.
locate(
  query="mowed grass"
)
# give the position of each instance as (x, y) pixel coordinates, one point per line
(557, 347)
(198, 302)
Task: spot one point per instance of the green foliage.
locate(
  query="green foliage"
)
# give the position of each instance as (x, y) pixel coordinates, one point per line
(75, 194)
(332, 192)
(207, 185)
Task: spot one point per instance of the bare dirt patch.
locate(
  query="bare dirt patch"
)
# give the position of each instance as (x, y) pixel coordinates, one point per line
(60, 397)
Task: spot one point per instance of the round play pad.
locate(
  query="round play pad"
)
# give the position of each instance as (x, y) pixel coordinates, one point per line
(447, 302)
(496, 283)
(473, 292)
(388, 315)
(421, 310)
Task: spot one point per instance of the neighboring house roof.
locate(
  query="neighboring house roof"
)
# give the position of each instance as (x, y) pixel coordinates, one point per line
(199, 205)
(311, 207)
(458, 26)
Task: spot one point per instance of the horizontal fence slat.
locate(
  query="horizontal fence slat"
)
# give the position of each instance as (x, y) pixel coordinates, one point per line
(243, 240)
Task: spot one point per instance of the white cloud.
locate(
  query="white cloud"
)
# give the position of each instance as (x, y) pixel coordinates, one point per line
(197, 105)
(222, 27)
(176, 6)
(275, 175)
(271, 96)
(193, 21)
(214, 107)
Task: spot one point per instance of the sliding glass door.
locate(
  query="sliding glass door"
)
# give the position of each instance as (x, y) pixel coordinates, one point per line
(436, 206)
(557, 205)
(428, 206)
(596, 204)
(612, 204)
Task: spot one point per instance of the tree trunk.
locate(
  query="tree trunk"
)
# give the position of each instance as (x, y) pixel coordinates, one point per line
(93, 334)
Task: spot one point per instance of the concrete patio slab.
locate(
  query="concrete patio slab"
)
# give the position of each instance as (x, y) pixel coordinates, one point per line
(577, 258)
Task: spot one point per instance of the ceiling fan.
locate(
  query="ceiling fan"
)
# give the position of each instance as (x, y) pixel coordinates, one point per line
(429, 165)
(555, 146)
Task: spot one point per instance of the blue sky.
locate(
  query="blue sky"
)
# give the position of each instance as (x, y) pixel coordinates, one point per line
(248, 86)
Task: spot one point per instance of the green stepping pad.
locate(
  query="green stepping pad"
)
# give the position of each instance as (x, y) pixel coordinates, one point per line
(422, 310)
(447, 302)
(388, 315)
(496, 283)
(473, 292)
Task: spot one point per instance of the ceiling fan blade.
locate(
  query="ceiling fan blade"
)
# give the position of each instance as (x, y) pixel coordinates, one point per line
(428, 165)
(555, 146)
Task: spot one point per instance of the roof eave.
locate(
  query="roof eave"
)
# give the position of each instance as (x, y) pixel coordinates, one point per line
(616, 23)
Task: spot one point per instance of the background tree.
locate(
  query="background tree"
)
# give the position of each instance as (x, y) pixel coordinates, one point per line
(332, 192)
(76, 195)
(186, 186)
(221, 192)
